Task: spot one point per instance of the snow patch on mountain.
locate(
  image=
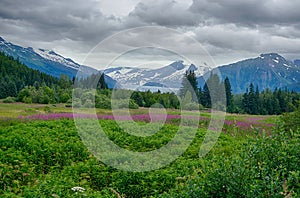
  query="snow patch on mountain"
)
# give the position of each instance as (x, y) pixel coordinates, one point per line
(51, 55)
(168, 76)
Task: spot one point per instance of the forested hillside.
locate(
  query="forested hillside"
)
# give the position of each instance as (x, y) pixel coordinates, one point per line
(14, 76)
(21, 83)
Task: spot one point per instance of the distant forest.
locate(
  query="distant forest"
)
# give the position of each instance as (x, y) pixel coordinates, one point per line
(18, 83)
(253, 101)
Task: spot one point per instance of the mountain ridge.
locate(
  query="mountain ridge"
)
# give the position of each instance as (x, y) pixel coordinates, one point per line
(48, 61)
(168, 76)
(268, 70)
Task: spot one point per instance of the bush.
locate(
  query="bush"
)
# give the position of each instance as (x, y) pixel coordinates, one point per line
(76, 103)
(133, 105)
(88, 104)
(64, 97)
(102, 102)
(9, 100)
(88, 95)
(292, 121)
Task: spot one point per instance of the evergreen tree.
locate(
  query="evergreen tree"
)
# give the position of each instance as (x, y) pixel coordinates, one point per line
(257, 101)
(205, 100)
(229, 96)
(11, 89)
(214, 93)
(250, 100)
(102, 83)
(138, 98)
(245, 101)
(64, 82)
(275, 104)
(189, 84)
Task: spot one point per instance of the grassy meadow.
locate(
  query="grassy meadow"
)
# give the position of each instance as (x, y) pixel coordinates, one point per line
(42, 155)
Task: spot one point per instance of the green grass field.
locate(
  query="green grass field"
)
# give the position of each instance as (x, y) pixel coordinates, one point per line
(47, 158)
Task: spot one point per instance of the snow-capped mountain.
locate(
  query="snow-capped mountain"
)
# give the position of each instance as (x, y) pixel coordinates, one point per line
(265, 71)
(47, 61)
(51, 55)
(169, 76)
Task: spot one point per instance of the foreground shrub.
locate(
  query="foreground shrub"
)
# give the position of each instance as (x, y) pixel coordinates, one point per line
(266, 166)
(292, 121)
(9, 100)
(48, 159)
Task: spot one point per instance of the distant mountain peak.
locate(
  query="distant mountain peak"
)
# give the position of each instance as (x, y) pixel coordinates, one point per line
(269, 70)
(274, 59)
(47, 51)
(192, 68)
(53, 53)
(272, 56)
(30, 48)
(178, 65)
(53, 56)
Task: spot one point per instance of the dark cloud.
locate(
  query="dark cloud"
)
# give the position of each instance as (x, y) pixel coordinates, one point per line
(249, 27)
(227, 28)
(229, 36)
(249, 12)
(166, 13)
(54, 20)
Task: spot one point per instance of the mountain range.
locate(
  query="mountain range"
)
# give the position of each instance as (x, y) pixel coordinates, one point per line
(265, 71)
(48, 61)
(164, 78)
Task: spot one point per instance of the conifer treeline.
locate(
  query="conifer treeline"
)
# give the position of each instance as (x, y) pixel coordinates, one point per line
(251, 102)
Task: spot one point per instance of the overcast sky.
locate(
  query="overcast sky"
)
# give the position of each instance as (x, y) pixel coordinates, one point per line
(229, 30)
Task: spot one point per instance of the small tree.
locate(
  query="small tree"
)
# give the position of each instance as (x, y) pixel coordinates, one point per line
(102, 84)
(229, 96)
(213, 92)
(189, 84)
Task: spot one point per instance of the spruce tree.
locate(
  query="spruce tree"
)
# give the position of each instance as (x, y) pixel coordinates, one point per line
(189, 84)
(229, 96)
(206, 101)
(102, 82)
(213, 92)
(257, 101)
(245, 101)
(252, 105)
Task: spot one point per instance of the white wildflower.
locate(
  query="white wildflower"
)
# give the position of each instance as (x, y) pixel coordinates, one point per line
(77, 188)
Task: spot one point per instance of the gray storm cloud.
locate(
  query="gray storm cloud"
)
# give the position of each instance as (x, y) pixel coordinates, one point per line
(230, 29)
